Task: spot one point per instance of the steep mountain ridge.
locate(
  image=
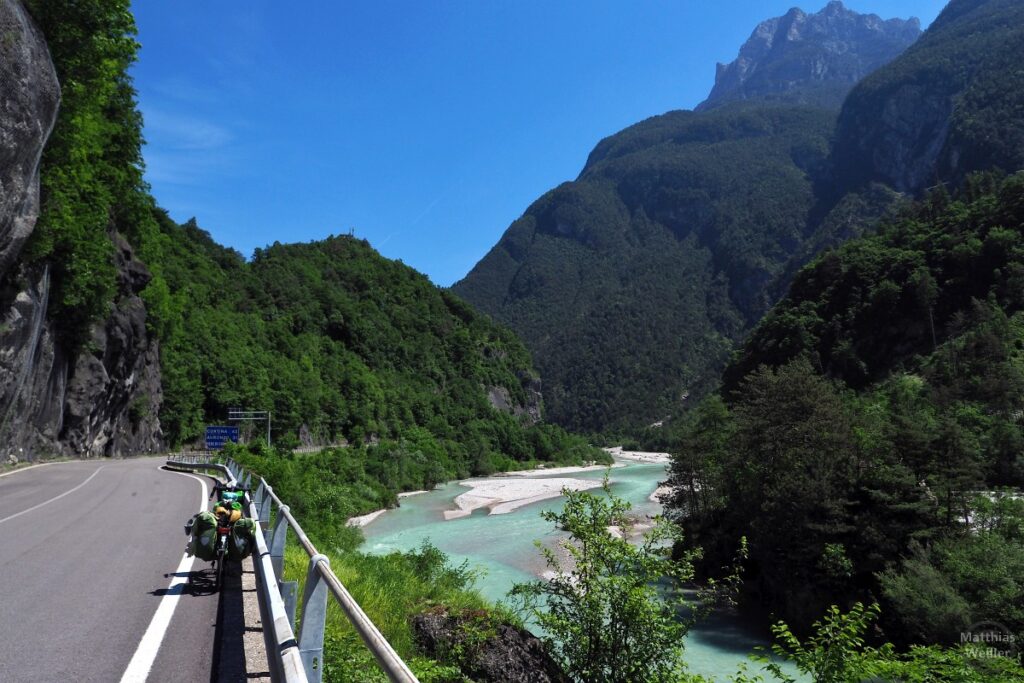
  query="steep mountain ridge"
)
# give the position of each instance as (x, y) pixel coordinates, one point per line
(601, 275)
(631, 283)
(810, 58)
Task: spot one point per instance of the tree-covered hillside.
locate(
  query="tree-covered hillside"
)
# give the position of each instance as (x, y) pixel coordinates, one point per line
(950, 105)
(630, 284)
(866, 426)
(342, 345)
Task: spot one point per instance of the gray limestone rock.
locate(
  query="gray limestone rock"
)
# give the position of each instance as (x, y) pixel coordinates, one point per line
(811, 58)
(501, 399)
(105, 398)
(29, 95)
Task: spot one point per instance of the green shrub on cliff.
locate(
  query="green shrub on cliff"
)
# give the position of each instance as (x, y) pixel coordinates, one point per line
(91, 170)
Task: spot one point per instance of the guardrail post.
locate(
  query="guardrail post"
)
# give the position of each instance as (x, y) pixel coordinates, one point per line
(314, 617)
(289, 589)
(290, 595)
(259, 497)
(268, 500)
(277, 538)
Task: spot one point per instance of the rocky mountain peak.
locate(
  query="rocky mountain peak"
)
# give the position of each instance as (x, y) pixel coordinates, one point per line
(811, 58)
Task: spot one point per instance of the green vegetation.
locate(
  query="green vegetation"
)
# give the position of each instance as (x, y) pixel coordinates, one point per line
(949, 106)
(339, 343)
(328, 487)
(836, 653)
(864, 430)
(345, 346)
(392, 589)
(631, 284)
(681, 222)
(603, 613)
(91, 173)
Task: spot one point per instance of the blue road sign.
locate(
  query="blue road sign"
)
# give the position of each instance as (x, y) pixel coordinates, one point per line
(217, 436)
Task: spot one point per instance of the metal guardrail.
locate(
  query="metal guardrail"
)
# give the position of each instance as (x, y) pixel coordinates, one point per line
(291, 660)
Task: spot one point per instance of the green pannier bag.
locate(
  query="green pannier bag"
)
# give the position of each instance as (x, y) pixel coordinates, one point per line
(203, 543)
(242, 540)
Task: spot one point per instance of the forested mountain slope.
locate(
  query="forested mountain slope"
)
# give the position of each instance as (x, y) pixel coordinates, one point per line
(861, 423)
(951, 105)
(344, 346)
(714, 212)
(631, 284)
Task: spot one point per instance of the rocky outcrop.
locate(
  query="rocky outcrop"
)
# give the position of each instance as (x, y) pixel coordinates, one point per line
(113, 396)
(811, 58)
(530, 412)
(105, 398)
(486, 652)
(28, 109)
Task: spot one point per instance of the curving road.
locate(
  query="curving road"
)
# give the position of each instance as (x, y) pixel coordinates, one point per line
(93, 575)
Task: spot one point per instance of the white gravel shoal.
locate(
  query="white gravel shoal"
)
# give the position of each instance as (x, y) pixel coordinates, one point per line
(363, 520)
(548, 471)
(505, 495)
(639, 456)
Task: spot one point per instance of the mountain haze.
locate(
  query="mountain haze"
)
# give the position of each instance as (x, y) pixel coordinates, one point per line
(631, 284)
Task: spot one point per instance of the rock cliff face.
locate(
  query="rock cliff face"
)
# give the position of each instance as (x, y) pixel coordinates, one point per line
(104, 399)
(501, 399)
(28, 109)
(811, 58)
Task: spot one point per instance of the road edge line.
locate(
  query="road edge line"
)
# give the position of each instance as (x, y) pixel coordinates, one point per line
(66, 493)
(145, 654)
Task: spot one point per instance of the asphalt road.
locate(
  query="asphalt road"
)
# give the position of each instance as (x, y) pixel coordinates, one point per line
(88, 551)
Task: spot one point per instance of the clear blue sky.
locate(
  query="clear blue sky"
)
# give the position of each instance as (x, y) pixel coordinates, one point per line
(425, 127)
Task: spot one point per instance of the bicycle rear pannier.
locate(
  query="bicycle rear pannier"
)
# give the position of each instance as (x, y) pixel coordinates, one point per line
(203, 543)
(242, 539)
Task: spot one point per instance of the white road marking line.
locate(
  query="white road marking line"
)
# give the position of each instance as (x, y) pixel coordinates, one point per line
(142, 661)
(36, 507)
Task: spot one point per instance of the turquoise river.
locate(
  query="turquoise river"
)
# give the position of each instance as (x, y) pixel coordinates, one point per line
(503, 548)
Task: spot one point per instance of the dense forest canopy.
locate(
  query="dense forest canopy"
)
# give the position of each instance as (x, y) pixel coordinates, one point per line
(684, 229)
(866, 428)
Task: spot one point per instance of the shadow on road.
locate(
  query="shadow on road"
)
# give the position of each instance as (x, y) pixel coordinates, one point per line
(228, 661)
(229, 649)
